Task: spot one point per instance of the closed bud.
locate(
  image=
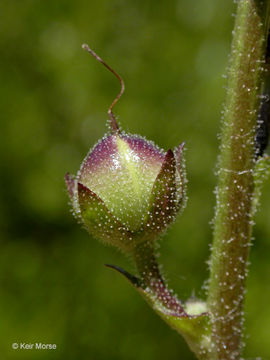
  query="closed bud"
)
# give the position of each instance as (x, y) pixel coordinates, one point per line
(127, 190)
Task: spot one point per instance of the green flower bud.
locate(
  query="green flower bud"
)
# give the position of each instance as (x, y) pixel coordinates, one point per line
(127, 190)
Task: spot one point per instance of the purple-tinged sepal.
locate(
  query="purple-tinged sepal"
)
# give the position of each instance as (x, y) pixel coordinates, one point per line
(162, 209)
(71, 183)
(181, 180)
(99, 221)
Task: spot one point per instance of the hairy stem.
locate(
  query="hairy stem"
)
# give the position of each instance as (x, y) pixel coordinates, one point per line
(233, 222)
(147, 266)
(194, 329)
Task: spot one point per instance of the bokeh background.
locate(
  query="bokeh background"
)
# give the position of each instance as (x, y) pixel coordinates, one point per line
(54, 97)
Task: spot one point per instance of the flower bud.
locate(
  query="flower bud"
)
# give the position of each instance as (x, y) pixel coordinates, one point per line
(127, 190)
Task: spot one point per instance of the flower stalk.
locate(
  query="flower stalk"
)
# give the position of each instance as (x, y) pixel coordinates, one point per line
(235, 191)
(128, 191)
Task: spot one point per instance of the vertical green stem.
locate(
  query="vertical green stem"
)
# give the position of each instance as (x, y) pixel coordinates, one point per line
(233, 222)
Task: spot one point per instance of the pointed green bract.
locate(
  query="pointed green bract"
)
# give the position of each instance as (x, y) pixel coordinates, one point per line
(163, 197)
(100, 222)
(196, 329)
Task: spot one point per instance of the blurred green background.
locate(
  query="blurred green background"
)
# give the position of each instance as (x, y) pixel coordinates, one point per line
(54, 97)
